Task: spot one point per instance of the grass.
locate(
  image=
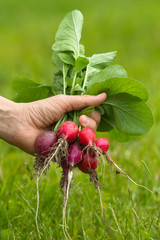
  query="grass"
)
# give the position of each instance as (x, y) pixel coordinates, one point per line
(27, 32)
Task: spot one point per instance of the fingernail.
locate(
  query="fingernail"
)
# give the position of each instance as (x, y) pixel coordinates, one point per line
(86, 120)
(100, 94)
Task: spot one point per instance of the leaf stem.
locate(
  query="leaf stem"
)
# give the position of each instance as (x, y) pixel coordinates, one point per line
(85, 79)
(64, 81)
(61, 120)
(73, 84)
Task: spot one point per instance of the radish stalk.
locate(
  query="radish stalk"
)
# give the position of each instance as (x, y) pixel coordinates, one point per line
(85, 79)
(64, 81)
(73, 84)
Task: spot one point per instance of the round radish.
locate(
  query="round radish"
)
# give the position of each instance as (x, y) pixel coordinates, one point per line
(86, 136)
(44, 142)
(89, 161)
(75, 154)
(102, 143)
(69, 129)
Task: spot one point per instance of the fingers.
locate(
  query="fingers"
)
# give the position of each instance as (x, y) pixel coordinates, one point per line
(90, 122)
(70, 103)
(95, 116)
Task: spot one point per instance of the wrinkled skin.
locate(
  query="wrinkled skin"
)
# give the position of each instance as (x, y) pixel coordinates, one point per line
(21, 123)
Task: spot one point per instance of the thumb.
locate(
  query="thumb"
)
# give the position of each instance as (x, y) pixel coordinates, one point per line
(78, 102)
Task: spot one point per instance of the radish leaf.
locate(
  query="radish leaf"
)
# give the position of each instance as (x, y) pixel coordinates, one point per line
(87, 111)
(115, 71)
(28, 90)
(69, 34)
(100, 61)
(105, 124)
(111, 81)
(81, 63)
(131, 115)
(67, 58)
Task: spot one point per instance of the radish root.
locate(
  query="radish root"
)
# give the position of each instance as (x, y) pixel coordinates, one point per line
(65, 200)
(94, 178)
(109, 160)
(36, 218)
(59, 150)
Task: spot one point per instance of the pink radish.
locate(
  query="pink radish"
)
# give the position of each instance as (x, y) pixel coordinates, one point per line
(44, 142)
(86, 136)
(75, 154)
(102, 143)
(69, 129)
(89, 162)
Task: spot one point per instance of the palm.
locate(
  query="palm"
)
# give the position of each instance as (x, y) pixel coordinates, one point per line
(38, 116)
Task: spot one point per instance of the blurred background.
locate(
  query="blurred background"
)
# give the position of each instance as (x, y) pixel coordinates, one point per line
(27, 32)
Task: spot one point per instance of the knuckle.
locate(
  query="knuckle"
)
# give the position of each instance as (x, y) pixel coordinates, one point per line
(93, 125)
(98, 118)
(85, 99)
(59, 96)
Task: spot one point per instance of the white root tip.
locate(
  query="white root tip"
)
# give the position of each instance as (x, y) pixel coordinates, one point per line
(65, 200)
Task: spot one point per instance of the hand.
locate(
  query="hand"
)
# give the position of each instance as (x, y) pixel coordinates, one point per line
(30, 119)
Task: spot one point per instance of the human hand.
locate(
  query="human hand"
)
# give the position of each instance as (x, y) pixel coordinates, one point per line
(28, 120)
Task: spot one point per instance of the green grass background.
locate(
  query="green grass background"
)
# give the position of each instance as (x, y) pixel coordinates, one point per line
(27, 30)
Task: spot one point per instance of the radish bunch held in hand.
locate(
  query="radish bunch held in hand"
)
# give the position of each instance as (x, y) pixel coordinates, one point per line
(124, 114)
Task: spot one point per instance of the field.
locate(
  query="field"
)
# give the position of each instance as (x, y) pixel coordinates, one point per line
(27, 30)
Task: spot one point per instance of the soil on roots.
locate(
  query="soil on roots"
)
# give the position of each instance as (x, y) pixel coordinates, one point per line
(56, 154)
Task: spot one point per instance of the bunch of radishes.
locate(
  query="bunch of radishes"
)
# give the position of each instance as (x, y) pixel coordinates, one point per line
(69, 148)
(81, 149)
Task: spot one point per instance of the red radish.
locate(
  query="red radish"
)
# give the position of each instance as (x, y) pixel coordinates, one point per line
(102, 143)
(89, 161)
(75, 154)
(86, 136)
(69, 129)
(44, 142)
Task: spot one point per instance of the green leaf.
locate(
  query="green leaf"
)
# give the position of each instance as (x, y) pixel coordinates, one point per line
(60, 78)
(58, 85)
(81, 63)
(91, 71)
(100, 110)
(77, 88)
(67, 58)
(115, 71)
(131, 115)
(82, 50)
(69, 34)
(107, 120)
(65, 69)
(87, 111)
(57, 72)
(57, 61)
(112, 80)
(100, 61)
(28, 90)
(104, 125)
